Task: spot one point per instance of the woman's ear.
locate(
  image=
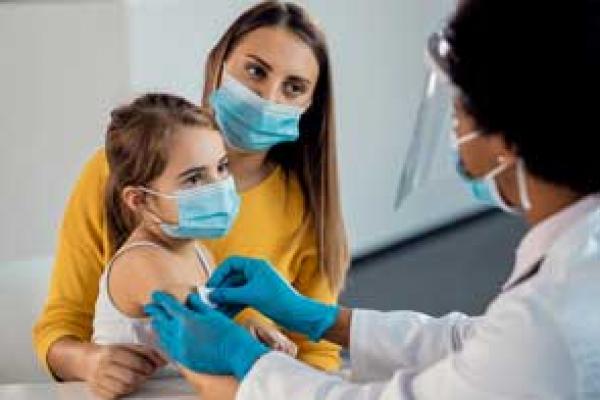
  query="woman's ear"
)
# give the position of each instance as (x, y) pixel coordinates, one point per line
(133, 197)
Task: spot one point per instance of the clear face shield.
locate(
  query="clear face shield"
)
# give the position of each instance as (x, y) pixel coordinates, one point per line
(430, 127)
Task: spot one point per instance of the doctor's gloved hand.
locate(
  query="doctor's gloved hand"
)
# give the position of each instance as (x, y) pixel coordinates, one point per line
(202, 339)
(240, 282)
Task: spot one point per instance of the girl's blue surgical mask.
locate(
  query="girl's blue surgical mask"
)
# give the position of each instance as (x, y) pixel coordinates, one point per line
(203, 212)
(485, 189)
(248, 121)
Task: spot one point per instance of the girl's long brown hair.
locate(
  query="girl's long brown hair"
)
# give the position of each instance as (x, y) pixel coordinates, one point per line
(313, 158)
(137, 148)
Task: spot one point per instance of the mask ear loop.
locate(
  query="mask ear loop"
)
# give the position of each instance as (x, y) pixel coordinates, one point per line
(459, 141)
(493, 173)
(522, 185)
(491, 181)
(156, 219)
(524, 200)
(498, 170)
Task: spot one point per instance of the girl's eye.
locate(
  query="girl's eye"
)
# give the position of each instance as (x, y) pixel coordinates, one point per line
(194, 180)
(294, 89)
(223, 168)
(255, 71)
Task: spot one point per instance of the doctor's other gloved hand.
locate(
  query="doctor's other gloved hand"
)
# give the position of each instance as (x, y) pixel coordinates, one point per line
(240, 282)
(202, 339)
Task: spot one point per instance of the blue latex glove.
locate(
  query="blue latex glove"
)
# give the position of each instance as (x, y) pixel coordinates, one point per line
(239, 282)
(202, 339)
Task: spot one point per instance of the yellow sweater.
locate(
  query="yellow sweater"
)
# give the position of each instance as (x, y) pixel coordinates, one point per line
(269, 226)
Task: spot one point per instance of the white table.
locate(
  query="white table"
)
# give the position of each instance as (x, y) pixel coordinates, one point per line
(167, 388)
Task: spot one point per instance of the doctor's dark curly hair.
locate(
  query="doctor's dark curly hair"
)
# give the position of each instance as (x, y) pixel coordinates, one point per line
(530, 71)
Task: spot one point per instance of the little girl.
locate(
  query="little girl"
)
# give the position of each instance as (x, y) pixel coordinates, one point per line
(169, 185)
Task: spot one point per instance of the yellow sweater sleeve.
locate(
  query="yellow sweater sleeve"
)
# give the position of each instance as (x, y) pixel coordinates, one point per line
(312, 282)
(79, 262)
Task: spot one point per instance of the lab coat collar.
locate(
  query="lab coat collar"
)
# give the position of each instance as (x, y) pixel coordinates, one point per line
(539, 239)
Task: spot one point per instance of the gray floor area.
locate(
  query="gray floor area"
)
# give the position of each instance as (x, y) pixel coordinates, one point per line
(457, 268)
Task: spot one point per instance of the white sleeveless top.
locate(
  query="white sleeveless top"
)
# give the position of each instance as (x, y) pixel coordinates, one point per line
(111, 326)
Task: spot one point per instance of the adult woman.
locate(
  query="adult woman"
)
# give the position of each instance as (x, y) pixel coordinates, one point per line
(272, 63)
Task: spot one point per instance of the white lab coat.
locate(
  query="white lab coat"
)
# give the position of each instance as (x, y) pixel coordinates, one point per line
(540, 338)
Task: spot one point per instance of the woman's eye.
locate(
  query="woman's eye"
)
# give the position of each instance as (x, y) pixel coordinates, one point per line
(294, 89)
(255, 71)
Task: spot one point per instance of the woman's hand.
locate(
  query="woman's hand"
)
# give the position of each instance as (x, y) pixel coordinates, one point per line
(240, 282)
(113, 371)
(271, 336)
(202, 339)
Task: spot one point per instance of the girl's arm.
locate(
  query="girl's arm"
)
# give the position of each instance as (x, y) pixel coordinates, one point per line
(139, 272)
(109, 370)
(271, 336)
(63, 330)
(211, 387)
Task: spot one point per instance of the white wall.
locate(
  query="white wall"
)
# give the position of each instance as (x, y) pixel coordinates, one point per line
(63, 65)
(22, 295)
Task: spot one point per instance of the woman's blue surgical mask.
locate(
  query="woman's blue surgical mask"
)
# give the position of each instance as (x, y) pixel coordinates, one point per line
(203, 212)
(485, 189)
(249, 122)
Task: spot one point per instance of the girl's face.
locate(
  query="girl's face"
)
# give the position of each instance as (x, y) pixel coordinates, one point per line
(196, 157)
(275, 64)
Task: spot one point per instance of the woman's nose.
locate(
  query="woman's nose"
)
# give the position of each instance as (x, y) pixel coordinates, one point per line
(270, 91)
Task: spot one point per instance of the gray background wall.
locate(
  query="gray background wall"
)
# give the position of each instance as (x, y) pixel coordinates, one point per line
(63, 65)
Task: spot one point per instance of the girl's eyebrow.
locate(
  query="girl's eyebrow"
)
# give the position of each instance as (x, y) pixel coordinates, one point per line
(193, 170)
(201, 169)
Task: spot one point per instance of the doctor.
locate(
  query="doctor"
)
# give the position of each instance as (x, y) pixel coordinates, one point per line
(526, 134)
